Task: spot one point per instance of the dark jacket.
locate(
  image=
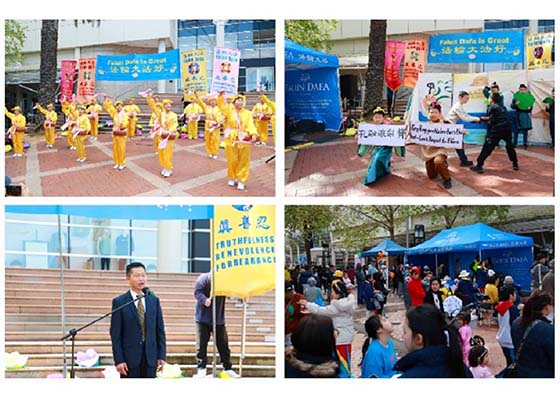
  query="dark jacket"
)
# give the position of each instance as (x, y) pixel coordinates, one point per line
(203, 314)
(429, 299)
(537, 356)
(499, 119)
(308, 366)
(430, 362)
(126, 334)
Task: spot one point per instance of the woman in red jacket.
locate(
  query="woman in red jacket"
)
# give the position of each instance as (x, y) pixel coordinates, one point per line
(415, 288)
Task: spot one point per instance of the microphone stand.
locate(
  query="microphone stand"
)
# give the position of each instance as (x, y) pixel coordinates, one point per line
(73, 332)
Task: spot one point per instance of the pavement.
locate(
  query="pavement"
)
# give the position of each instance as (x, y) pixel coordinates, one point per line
(55, 172)
(333, 169)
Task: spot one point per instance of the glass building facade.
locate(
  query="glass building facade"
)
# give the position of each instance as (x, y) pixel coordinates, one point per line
(35, 241)
(254, 38)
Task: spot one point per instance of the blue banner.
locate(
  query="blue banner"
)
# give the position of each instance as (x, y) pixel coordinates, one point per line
(139, 67)
(479, 47)
(314, 94)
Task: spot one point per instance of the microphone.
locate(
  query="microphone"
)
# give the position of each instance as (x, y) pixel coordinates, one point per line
(146, 291)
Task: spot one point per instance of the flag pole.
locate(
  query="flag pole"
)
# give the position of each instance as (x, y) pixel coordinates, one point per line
(213, 294)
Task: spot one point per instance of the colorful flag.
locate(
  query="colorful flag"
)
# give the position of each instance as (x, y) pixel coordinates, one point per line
(139, 67)
(193, 72)
(67, 73)
(244, 250)
(394, 52)
(539, 50)
(414, 61)
(225, 74)
(86, 80)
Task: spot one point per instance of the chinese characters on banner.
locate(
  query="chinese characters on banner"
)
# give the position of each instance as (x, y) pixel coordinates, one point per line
(381, 135)
(139, 67)
(539, 50)
(67, 73)
(86, 80)
(244, 252)
(193, 72)
(226, 70)
(414, 61)
(394, 52)
(437, 135)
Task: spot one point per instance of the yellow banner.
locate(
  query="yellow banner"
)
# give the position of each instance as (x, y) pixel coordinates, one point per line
(193, 72)
(244, 250)
(539, 50)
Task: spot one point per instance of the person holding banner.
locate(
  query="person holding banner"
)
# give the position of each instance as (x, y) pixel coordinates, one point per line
(120, 123)
(213, 122)
(80, 133)
(499, 128)
(272, 105)
(261, 116)
(192, 115)
(93, 112)
(457, 113)
(522, 103)
(204, 326)
(132, 110)
(168, 121)
(69, 109)
(380, 162)
(239, 134)
(49, 124)
(154, 124)
(17, 129)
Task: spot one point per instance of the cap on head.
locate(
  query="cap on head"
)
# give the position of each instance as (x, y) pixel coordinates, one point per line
(414, 270)
(118, 102)
(167, 101)
(464, 274)
(522, 86)
(379, 110)
(338, 274)
(16, 108)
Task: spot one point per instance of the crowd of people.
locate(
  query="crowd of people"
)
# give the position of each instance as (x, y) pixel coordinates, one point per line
(241, 128)
(438, 329)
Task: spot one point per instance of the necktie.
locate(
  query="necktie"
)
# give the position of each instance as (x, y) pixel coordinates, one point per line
(142, 317)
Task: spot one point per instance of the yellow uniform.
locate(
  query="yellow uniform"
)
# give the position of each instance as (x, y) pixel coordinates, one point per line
(261, 116)
(238, 125)
(272, 105)
(214, 120)
(192, 115)
(84, 127)
(49, 125)
(132, 110)
(154, 124)
(169, 123)
(18, 130)
(69, 109)
(93, 112)
(120, 123)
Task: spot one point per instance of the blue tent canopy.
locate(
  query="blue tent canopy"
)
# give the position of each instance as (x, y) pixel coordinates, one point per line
(475, 237)
(387, 246)
(300, 57)
(120, 212)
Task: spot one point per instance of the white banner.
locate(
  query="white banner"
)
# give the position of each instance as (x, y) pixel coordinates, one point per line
(434, 87)
(381, 135)
(437, 135)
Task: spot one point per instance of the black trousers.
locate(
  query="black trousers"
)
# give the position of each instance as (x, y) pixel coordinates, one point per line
(143, 370)
(492, 140)
(203, 332)
(105, 263)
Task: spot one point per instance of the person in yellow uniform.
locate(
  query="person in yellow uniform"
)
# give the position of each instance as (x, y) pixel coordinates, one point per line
(132, 110)
(192, 116)
(80, 132)
(120, 123)
(93, 113)
(49, 124)
(261, 116)
(168, 133)
(272, 105)
(154, 124)
(69, 109)
(213, 122)
(17, 129)
(239, 134)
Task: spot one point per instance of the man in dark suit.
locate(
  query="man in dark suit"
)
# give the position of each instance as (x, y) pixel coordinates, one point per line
(137, 330)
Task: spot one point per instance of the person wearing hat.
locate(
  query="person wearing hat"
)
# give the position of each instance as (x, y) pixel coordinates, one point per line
(380, 162)
(415, 288)
(261, 116)
(132, 111)
(17, 129)
(214, 120)
(192, 115)
(49, 124)
(155, 125)
(239, 134)
(80, 132)
(93, 113)
(71, 113)
(466, 288)
(168, 133)
(272, 105)
(120, 123)
(293, 311)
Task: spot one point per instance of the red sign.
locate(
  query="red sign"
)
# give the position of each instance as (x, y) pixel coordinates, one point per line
(394, 52)
(67, 73)
(86, 80)
(414, 61)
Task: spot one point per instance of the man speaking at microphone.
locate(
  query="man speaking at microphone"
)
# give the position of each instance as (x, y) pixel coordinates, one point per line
(137, 330)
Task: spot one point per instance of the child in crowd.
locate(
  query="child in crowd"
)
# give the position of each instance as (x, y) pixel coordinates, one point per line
(379, 355)
(465, 334)
(478, 362)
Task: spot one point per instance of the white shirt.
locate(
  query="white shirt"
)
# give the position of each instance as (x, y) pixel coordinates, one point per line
(457, 113)
(143, 299)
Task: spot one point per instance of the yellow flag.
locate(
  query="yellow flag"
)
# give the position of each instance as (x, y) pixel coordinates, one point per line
(539, 50)
(244, 250)
(193, 72)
